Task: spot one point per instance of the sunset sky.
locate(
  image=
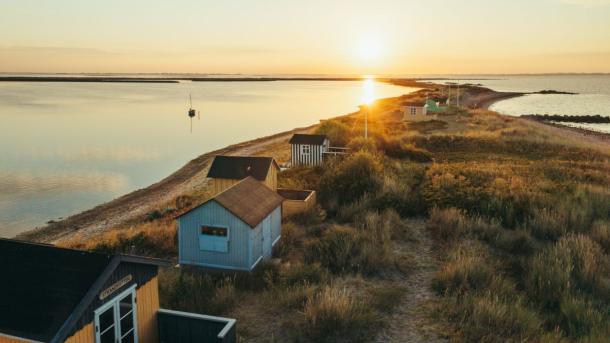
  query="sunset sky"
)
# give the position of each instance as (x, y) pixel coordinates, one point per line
(305, 37)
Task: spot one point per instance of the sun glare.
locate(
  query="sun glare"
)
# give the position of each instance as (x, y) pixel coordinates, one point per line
(369, 50)
(368, 91)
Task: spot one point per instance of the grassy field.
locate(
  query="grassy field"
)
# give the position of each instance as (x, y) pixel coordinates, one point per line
(472, 228)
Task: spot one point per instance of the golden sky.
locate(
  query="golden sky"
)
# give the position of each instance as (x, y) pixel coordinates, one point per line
(305, 37)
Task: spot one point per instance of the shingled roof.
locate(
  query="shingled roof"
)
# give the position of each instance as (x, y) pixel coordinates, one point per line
(43, 286)
(249, 200)
(299, 138)
(240, 167)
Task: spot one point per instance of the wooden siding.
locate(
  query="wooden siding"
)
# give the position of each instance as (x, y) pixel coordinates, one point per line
(421, 114)
(245, 243)
(6, 339)
(148, 305)
(213, 214)
(292, 207)
(314, 158)
(84, 335)
(271, 180)
(219, 185)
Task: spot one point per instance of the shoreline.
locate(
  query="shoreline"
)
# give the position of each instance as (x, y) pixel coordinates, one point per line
(192, 176)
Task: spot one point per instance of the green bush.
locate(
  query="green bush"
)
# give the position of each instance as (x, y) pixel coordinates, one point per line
(349, 180)
(578, 317)
(574, 264)
(336, 250)
(206, 294)
(337, 132)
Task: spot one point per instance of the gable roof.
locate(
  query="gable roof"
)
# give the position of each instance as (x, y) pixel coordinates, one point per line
(46, 289)
(299, 138)
(414, 103)
(240, 167)
(249, 200)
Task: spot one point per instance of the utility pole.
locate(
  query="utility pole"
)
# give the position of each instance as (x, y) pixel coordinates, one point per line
(366, 121)
(458, 94)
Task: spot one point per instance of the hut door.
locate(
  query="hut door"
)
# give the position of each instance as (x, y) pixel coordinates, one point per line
(115, 321)
(267, 242)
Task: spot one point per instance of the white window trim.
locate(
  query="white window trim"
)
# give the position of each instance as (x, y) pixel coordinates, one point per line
(413, 111)
(303, 149)
(117, 324)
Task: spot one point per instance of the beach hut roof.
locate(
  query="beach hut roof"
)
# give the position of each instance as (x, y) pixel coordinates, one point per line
(249, 200)
(240, 167)
(414, 103)
(300, 138)
(45, 287)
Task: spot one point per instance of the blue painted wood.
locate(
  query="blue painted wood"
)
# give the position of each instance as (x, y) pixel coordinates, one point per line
(245, 246)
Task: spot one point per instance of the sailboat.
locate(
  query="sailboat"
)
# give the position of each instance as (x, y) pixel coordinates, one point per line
(192, 111)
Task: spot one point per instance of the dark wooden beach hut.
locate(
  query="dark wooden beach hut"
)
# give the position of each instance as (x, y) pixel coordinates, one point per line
(226, 171)
(51, 294)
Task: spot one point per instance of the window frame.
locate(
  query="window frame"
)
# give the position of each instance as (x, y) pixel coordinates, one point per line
(114, 305)
(413, 111)
(305, 151)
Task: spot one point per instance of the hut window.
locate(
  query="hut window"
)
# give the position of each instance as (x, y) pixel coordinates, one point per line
(115, 321)
(213, 238)
(413, 111)
(214, 231)
(305, 149)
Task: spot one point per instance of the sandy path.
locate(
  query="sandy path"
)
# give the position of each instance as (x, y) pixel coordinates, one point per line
(409, 322)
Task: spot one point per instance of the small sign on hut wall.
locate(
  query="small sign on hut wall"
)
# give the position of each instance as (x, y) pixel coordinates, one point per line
(115, 286)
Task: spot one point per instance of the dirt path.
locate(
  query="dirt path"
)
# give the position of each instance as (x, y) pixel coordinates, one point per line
(410, 322)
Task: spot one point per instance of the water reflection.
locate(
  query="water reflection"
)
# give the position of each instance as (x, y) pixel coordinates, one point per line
(65, 147)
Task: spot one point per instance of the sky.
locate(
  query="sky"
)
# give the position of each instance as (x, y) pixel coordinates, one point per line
(381, 37)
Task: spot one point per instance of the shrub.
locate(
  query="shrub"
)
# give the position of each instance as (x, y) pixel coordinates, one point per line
(333, 315)
(578, 317)
(337, 132)
(395, 148)
(490, 318)
(336, 249)
(447, 224)
(216, 296)
(154, 239)
(467, 270)
(301, 273)
(600, 233)
(350, 180)
(573, 264)
(359, 144)
(292, 241)
(401, 194)
(293, 296)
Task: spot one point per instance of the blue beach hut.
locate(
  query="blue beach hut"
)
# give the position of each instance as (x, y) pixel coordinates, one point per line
(234, 230)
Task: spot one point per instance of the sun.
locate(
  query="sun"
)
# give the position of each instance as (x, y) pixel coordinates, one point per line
(369, 49)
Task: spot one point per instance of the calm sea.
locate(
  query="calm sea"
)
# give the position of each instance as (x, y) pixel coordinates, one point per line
(593, 95)
(66, 147)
